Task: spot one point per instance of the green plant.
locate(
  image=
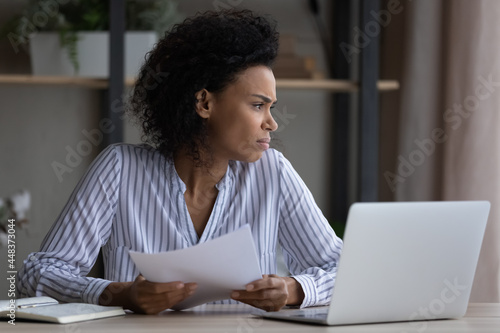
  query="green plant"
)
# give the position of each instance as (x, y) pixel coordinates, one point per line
(71, 16)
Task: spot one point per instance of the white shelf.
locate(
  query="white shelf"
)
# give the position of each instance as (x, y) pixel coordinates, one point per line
(94, 83)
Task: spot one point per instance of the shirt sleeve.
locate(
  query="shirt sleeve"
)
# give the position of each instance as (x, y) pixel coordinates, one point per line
(72, 245)
(311, 248)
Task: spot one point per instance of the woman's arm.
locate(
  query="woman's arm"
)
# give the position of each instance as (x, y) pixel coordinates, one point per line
(311, 248)
(70, 248)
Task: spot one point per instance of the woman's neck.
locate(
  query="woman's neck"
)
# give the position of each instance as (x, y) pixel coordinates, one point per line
(198, 178)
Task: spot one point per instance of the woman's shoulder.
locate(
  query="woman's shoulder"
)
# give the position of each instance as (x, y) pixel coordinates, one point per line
(132, 150)
(126, 153)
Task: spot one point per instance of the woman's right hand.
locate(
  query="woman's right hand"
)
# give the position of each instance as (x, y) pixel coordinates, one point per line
(143, 296)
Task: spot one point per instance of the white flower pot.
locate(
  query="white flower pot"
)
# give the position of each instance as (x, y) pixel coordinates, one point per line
(48, 58)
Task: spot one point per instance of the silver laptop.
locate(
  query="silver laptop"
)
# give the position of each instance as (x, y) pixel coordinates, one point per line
(403, 261)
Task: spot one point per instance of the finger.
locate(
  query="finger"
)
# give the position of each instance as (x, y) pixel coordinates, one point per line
(174, 299)
(187, 290)
(155, 303)
(191, 286)
(159, 287)
(178, 295)
(256, 295)
(269, 282)
(264, 276)
(242, 295)
(165, 298)
(140, 278)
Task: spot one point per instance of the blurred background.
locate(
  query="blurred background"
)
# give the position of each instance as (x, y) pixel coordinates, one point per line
(432, 134)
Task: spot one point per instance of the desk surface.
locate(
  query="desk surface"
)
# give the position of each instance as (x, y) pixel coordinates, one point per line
(480, 317)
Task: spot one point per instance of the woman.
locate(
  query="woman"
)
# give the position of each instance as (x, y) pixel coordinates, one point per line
(204, 98)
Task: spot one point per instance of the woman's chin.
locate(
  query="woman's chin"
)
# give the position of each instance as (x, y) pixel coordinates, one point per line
(251, 158)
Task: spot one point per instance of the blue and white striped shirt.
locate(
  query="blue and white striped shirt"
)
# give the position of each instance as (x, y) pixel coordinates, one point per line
(131, 198)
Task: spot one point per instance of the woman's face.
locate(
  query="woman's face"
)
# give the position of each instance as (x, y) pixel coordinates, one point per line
(240, 121)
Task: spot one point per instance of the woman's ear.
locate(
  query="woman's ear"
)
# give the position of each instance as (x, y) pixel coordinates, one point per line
(203, 103)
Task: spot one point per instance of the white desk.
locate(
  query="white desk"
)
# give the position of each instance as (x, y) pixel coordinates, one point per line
(481, 317)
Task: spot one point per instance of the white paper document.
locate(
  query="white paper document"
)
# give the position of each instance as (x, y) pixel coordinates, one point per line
(218, 266)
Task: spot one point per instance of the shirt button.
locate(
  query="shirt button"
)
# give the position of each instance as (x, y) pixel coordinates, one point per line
(32, 258)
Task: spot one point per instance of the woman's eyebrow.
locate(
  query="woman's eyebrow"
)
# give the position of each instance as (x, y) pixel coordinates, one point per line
(265, 98)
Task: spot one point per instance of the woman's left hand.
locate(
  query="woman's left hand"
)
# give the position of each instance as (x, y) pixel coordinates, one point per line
(270, 293)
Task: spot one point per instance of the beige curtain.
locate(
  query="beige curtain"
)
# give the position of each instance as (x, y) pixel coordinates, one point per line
(449, 123)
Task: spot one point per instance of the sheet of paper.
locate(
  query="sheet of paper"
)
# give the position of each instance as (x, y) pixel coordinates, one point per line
(218, 266)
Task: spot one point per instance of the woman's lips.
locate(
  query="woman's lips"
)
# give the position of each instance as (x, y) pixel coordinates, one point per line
(264, 143)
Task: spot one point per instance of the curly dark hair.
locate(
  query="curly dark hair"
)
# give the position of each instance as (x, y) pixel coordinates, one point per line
(206, 51)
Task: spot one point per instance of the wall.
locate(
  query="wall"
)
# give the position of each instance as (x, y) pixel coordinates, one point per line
(36, 124)
(40, 124)
(391, 58)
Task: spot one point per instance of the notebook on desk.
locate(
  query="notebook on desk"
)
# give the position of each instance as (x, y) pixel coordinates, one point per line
(47, 309)
(403, 261)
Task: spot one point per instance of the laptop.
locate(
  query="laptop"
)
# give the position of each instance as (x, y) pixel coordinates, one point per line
(402, 261)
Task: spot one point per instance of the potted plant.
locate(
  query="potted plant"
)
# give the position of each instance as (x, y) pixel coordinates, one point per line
(70, 37)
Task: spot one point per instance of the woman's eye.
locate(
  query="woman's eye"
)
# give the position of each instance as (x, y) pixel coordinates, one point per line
(258, 106)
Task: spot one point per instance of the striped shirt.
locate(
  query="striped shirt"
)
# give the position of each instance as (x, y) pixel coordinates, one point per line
(132, 198)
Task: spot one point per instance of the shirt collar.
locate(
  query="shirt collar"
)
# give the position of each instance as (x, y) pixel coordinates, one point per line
(176, 182)
(226, 180)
